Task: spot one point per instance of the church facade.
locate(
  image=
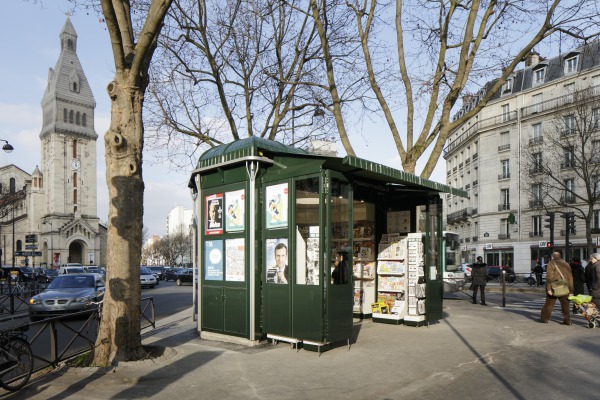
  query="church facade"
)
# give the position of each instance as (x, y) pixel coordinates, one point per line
(52, 216)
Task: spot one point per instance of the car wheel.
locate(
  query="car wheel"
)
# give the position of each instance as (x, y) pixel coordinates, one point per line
(178, 282)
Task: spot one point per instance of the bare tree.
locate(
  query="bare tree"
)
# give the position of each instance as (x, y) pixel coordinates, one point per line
(442, 48)
(133, 47)
(236, 69)
(563, 163)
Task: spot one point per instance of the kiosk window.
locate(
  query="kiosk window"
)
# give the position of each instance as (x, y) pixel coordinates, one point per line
(340, 226)
(307, 231)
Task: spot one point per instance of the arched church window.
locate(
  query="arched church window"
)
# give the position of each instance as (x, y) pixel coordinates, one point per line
(71, 116)
(70, 44)
(74, 179)
(77, 118)
(74, 196)
(13, 185)
(84, 119)
(74, 86)
(40, 181)
(74, 148)
(65, 117)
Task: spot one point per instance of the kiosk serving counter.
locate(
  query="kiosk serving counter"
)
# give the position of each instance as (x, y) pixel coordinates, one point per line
(287, 244)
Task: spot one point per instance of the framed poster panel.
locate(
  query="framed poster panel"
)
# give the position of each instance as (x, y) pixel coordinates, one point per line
(277, 268)
(213, 261)
(234, 216)
(277, 206)
(213, 214)
(235, 260)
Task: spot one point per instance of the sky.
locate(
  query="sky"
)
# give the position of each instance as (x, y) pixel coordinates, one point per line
(30, 46)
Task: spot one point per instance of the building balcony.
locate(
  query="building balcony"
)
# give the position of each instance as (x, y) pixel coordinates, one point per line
(504, 207)
(474, 157)
(536, 140)
(475, 211)
(467, 161)
(567, 132)
(567, 199)
(460, 166)
(536, 234)
(535, 170)
(503, 236)
(504, 147)
(567, 165)
(475, 238)
(557, 102)
(499, 119)
(573, 232)
(467, 240)
(475, 183)
(504, 176)
(536, 204)
(467, 186)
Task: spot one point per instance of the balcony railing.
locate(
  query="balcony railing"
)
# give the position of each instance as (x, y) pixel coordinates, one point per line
(467, 240)
(536, 140)
(567, 132)
(475, 183)
(567, 199)
(536, 234)
(556, 103)
(536, 204)
(503, 207)
(535, 170)
(503, 236)
(567, 165)
(498, 120)
(504, 147)
(504, 176)
(474, 156)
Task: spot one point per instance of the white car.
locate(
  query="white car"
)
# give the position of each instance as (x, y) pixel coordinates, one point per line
(147, 278)
(466, 268)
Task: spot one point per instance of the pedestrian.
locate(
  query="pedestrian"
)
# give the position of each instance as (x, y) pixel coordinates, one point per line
(578, 275)
(538, 270)
(595, 286)
(479, 276)
(556, 270)
(589, 271)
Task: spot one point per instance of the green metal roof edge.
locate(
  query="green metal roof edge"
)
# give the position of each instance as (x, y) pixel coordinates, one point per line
(401, 176)
(242, 148)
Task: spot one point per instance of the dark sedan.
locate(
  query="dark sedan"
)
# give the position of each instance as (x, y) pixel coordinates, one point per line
(45, 275)
(67, 293)
(171, 274)
(184, 276)
(495, 273)
(159, 272)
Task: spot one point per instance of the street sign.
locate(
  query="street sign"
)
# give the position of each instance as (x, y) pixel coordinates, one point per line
(30, 238)
(543, 243)
(489, 246)
(31, 246)
(28, 253)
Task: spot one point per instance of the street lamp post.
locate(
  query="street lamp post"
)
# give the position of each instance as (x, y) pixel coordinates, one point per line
(51, 241)
(8, 148)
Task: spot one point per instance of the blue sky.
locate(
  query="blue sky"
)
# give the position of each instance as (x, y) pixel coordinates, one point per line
(30, 46)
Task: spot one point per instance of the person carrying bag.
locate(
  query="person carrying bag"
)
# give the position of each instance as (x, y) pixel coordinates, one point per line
(559, 284)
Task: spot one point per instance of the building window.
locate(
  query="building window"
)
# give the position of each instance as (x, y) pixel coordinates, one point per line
(595, 118)
(536, 192)
(19, 245)
(505, 169)
(13, 185)
(75, 179)
(71, 117)
(65, 115)
(596, 184)
(569, 157)
(536, 225)
(571, 64)
(84, 119)
(569, 193)
(78, 118)
(569, 125)
(569, 92)
(536, 101)
(536, 160)
(596, 220)
(74, 148)
(536, 134)
(505, 113)
(74, 196)
(539, 75)
(507, 88)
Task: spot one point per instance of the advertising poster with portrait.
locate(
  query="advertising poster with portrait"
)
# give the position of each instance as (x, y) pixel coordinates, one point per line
(213, 261)
(234, 211)
(277, 206)
(235, 260)
(276, 267)
(213, 214)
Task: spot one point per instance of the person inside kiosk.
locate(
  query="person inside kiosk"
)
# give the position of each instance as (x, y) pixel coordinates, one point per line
(339, 275)
(279, 273)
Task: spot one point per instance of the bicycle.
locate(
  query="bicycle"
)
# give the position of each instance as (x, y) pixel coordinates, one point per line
(16, 359)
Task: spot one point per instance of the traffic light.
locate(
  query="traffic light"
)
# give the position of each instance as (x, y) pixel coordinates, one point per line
(549, 245)
(570, 221)
(550, 225)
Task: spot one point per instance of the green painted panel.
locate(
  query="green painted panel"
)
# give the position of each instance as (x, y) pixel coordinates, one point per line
(341, 300)
(236, 311)
(277, 309)
(308, 312)
(212, 308)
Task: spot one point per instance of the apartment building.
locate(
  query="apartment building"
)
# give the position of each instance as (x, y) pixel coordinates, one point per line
(503, 156)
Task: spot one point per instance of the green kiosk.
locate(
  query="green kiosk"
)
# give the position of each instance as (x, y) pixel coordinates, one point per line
(291, 245)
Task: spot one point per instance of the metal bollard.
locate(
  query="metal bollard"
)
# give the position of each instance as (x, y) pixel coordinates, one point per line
(503, 288)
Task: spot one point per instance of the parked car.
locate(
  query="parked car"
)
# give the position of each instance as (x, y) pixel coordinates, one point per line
(171, 274)
(158, 272)
(46, 275)
(92, 269)
(22, 274)
(147, 278)
(71, 269)
(495, 272)
(531, 278)
(67, 293)
(184, 276)
(466, 268)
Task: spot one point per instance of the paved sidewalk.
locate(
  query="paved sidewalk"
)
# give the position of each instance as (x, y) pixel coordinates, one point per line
(474, 352)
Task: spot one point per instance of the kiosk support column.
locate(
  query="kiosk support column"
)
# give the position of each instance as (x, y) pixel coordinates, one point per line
(252, 170)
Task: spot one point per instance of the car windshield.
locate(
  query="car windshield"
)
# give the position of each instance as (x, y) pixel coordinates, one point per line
(72, 270)
(52, 272)
(72, 282)
(145, 271)
(157, 269)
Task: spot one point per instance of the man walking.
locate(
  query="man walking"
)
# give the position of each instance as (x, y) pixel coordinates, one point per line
(556, 270)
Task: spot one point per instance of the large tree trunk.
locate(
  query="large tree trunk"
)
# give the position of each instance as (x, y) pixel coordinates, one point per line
(119, 337)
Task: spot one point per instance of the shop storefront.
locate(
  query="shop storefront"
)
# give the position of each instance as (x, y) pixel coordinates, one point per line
(291, 245)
